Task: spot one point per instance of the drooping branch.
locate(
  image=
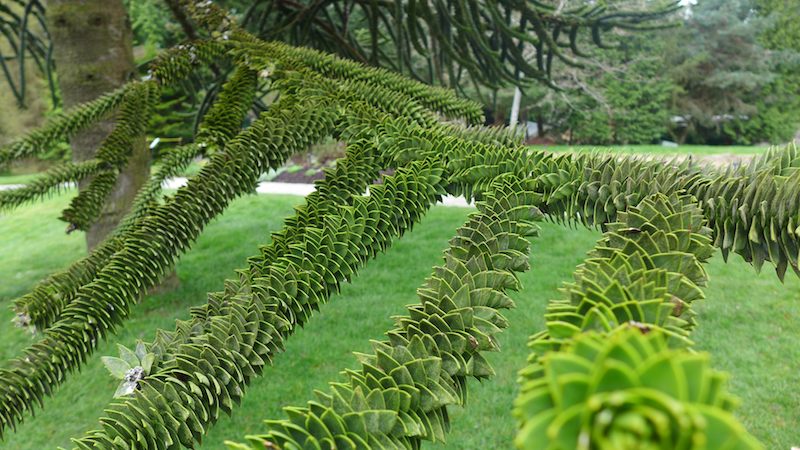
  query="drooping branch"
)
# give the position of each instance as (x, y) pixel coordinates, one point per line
(166, 232)
(42, 306)
(115, 153)
(401, 393)
(244, 327)
(753, 211)
(62, 127)
(394, 123)
(490, 41)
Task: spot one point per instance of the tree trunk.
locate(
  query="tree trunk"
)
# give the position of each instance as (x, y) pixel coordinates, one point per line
(540, 126)
(93, 51)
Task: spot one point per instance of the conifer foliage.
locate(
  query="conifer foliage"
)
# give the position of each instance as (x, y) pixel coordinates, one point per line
(614, 368)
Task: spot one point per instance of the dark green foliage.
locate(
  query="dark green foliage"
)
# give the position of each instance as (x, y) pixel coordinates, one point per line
(635, 112)
(224, 120)
(44, 303)
(752, 210)
(728, 75)
(590, 126)
(783, 32)
(135, 111)
(334, 193)
(166, 232)
(151, 23)
(441, 98)
(453, 43)
(85, 306)
(437, 99)
(728, 79)
(85, 208)
(621, 99)
(179, 62)
(173, 120)
(135, 103)
(52, 180)
(778, 117)
(209, 361)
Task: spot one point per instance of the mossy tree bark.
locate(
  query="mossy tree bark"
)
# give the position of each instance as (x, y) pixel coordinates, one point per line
(93, 51)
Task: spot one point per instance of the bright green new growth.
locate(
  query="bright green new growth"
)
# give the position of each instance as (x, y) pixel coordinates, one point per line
(612, 371)
(646, 269)
(628, 390)
(130, 367)
(661, 220)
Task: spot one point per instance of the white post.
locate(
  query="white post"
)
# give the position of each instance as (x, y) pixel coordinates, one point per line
(512, 121)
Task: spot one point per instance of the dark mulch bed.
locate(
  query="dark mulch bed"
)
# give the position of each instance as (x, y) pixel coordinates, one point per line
(301, 176)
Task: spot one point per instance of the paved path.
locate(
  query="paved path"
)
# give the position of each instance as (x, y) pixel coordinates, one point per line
(274, 187)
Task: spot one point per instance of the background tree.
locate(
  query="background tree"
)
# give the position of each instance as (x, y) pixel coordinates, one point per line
(778, 117)
(620, 97)
(729, 87)
(728, 75)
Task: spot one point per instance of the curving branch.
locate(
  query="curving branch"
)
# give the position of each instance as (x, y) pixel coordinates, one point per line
(400, 395)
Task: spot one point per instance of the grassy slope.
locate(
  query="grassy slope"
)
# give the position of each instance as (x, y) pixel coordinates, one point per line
(749, 322)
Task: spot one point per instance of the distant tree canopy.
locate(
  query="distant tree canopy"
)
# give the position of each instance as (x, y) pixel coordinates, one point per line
(728, 75)
(783, 31)
(782, 36)
(730, 83)
(619, 100)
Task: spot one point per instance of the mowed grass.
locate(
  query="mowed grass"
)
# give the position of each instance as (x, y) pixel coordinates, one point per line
(750, 323)
(17, 178)
(695, 150)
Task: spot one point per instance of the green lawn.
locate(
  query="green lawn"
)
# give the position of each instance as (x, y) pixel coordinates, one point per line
(750, 322)
(17, 178)
(696, 150)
